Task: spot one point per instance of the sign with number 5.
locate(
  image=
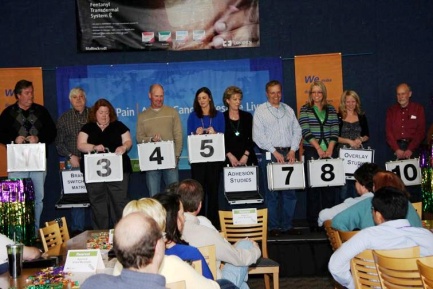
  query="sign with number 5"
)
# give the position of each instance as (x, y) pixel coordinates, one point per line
(106, 167)
(156, 156)
(326, 173)
(206, 148)
(408, 170)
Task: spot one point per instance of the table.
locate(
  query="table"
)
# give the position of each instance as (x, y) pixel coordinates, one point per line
(75, 243)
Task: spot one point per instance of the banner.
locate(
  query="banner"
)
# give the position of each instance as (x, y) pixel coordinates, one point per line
(119, 25)
(8, 78)
(127, 86)
(324, 67)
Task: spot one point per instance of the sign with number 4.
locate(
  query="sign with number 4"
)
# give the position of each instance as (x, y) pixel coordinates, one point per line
(206, 148)
(156, 156)
(326, 173)
(408, 170)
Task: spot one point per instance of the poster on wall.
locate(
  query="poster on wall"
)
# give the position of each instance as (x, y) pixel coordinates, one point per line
(8, 78)
(319, 67)
(118, 25)
(126, 87)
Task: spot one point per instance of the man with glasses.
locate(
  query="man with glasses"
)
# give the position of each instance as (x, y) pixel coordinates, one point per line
(28, 122)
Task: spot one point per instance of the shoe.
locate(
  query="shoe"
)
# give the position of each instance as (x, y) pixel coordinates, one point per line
(274, 233)
(292, 232)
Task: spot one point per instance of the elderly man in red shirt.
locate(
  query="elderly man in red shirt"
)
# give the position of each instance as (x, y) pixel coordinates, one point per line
(405, 124)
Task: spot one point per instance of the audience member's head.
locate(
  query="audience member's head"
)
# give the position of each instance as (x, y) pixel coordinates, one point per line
(138, 242)
(388, 179)
(364, 175)
(150, 207)
(175, 216)
(191, 193)
(391, 203)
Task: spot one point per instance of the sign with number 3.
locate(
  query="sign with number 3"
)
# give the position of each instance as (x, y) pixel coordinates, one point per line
(107, 167)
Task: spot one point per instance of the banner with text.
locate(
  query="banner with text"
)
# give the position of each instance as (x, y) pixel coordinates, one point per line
(324, 67)
(117, 25)
(8, 78)
(127, 86)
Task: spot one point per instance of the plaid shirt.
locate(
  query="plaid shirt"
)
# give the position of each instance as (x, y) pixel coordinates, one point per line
(68, 127)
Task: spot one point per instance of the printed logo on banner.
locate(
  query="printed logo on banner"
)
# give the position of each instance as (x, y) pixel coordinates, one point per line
(148, 37)
(198, 35)
(227, 43)
(164, 36)
(182, 36)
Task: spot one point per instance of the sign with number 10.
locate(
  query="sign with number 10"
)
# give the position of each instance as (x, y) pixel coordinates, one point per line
(408, 170)
(206, 148)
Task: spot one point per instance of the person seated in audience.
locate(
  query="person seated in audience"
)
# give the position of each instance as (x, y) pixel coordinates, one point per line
(172, 267)
(174, 245)
(198, 233)
(364, 187)
(389, 208)
(359, 215)
(139, 247)
(29, 253)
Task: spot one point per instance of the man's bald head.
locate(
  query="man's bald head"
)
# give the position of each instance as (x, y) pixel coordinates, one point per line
(135, 238)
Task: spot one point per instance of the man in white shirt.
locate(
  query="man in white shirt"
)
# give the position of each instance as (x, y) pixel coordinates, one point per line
(364, 186)
(392, 231)
(236, 257)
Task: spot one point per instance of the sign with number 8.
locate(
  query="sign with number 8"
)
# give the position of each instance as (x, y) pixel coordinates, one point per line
(326, 173)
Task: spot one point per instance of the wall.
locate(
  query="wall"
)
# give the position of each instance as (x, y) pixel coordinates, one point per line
(382, 42)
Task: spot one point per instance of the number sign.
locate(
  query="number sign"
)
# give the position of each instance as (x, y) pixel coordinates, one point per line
(354, 158)
(408, 170)
(285, 176)
(326, 173)
(240, 179)
(206, 148)
(156, 156)
(107, 167)
(26, 157)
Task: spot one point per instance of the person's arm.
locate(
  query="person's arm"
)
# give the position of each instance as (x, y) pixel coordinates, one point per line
(419, 136)
(47, 134)
(178, 135)
(259, 131)
(126, 144)
(82, 144)
(61, 138)
(140, 135)
(390, 139)
(365, 132)
(31, 253)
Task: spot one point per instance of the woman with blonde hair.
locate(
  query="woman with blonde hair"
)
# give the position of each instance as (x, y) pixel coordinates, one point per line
(353, 131)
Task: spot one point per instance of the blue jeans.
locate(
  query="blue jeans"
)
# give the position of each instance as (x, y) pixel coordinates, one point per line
(281, 204)
(78, 219)
(238, 275)
(153, 179)
(38, 179)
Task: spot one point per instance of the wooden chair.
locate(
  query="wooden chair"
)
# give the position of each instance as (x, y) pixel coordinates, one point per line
(197, 266)
(333, 236)
(209, 254)
(346, 235)
(425, 268)
(418, 208)
(395, 272)
(176, 285)
(257, 232)
(51, 239)
(364, 270)
(63, 227)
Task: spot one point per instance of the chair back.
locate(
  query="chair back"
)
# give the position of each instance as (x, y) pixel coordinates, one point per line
(257, 232)
(397, 272)
(197, 266)
(346, 235)
(364, 270)
(51, 238)
(63, 227)
(333, 236)
(209, 253)
(418, 208)
(425, 268)
(176, 285)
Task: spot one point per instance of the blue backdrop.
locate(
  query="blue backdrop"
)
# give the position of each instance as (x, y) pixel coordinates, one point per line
(126, 86)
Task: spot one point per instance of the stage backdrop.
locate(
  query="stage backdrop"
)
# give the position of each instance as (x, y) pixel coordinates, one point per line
(8, 78)
(324, 67)
(166, 25)
(127, 86)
